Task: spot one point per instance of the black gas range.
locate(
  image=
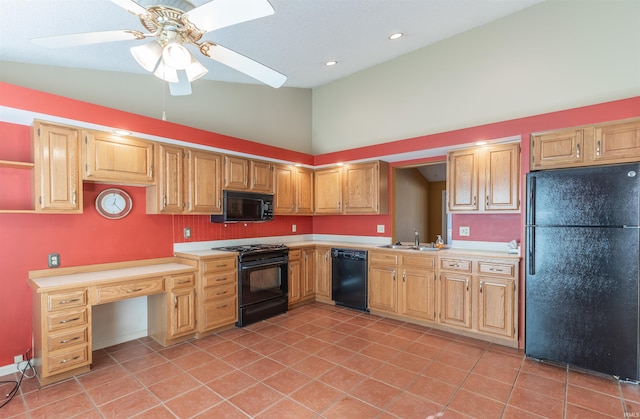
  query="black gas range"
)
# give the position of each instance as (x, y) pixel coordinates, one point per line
(262, 281)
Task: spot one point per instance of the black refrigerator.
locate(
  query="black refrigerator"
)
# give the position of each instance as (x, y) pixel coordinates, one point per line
(582, 258)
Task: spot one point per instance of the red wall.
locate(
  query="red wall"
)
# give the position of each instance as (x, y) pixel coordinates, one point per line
(27, 239)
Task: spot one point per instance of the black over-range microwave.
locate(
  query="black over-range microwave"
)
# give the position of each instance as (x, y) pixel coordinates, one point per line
(244, 206)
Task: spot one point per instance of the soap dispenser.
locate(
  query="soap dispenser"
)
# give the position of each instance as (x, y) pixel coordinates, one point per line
(439, 242)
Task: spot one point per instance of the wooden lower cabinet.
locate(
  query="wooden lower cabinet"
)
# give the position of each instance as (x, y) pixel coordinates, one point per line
(301, 275)
(62, 334)
(171, 315)
(323, 274)
(294, 275)
(216, 293)
(473, 296)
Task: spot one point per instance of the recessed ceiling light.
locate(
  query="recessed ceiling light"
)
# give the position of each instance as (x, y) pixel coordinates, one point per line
(396, 35)
(481, 143)
(121, 132)
(330, 63)
(298, 165)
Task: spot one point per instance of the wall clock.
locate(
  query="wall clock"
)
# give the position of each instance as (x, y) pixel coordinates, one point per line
(113, 203)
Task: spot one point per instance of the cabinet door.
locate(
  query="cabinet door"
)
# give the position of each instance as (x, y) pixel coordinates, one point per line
(308, 281)
(462, 181)
(558, 149)
(182, 314)
(383, 288)
(617, 143)
(419, 294)
(58, 185)
(456, 299)
(170, 179)
(502, 178)
(328, 191)
(294, 281)
(112, 158)
(284, 189)
(261, 176)
(323, 272)
(236, 173)
(304, 191)
(361, 188)
(203, 182)
(496, 299)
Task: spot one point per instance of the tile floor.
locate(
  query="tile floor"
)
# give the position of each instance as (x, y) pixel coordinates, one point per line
(325, 362)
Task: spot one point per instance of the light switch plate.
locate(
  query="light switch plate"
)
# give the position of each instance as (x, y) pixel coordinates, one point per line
(380, 228)
(187, 232)
(464, 231)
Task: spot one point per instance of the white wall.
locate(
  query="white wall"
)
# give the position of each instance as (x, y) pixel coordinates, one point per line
(556, 55)
(279, 117)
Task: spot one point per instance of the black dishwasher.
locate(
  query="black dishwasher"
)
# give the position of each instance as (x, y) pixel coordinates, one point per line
(349, 277)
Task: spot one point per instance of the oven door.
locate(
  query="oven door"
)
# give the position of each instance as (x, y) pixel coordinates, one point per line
(262, 280)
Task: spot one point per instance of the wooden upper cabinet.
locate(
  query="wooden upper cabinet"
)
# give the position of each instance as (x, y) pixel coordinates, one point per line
(284, 189)
(188, 181)
(366, 188)
(462, 180)
(203, 182)
(610, 143)
(502, 178)
(304, 191)
(328, 191)
(116, 159)
(484, 179)
(293, 190)
(57, 179)
(243, 174)
(558, 149)
(261, 176)
(617, 143)
(236, 173)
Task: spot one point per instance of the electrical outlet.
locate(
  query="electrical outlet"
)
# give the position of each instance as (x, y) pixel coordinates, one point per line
(294, 228)
(187, 232)
(464, 231)
(54, 260)
(380, 228)
(17, 359)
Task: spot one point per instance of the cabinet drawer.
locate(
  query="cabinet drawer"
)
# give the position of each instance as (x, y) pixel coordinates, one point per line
(492, 268)
(114, 292)
(217, 265)
(383, 258)
(66, 339)
(295, 254)
(66, 319)
(182, 281)
(418, 262)
(222, 278)
(66, 299)
(224, 291)
(67, 360)
(455, 265)
(221, 313)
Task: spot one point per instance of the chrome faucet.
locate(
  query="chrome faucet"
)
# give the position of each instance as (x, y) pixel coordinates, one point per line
(415, 232)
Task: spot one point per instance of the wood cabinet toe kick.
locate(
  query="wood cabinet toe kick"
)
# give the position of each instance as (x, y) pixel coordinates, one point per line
(63, 300)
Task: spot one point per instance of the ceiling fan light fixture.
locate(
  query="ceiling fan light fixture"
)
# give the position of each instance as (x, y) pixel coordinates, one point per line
(176, 55)
(166, 72)
(147, 55)
(195, 69)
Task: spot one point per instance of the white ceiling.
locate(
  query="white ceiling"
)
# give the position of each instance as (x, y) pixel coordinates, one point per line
(296, 41)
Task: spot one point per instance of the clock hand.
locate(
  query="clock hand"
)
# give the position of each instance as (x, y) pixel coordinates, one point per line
(115, 203)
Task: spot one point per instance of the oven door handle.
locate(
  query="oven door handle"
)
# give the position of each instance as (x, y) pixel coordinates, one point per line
(263, 264)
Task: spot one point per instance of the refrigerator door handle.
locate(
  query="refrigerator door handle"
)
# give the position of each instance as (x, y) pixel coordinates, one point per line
(531, 238)
(531, 214)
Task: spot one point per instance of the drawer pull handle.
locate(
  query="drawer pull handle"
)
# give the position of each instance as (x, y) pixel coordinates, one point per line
(69, 340)
(135, 290)
(221, 293)
(224, 306)
(69, 320)
(64, 361)
(186, 281)
(69, 301)
(221, 266)
(221, 279)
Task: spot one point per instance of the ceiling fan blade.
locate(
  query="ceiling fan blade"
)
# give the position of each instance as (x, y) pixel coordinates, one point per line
(243, 64)
(87, 38)
(132, 7)
(182, 87)
(218, 14)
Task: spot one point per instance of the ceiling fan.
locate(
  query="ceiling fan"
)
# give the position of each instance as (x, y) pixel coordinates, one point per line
(174, 23)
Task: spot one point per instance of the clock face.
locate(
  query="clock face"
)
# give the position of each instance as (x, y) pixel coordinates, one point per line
(113, 203)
